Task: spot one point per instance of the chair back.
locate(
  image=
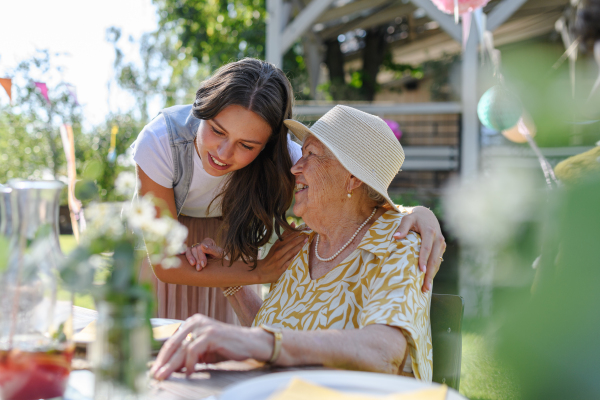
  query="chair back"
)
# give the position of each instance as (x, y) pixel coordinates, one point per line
(446, 322)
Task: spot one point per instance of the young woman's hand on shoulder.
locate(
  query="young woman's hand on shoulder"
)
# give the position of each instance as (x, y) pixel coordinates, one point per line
(280, 256)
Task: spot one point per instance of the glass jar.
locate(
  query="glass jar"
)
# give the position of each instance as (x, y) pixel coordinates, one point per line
(120, 353)
(35, 328)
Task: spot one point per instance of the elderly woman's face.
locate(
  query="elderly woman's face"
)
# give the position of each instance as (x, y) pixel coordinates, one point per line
(321, 179)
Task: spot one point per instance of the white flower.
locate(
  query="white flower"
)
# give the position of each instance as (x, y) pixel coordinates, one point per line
(158, 229)
(487, 211)
(104, 219)
(141, 213)
(175, 238)
(126, 183)
(170, 262)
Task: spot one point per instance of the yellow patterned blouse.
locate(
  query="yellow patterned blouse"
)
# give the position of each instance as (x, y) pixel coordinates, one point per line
(378, 283)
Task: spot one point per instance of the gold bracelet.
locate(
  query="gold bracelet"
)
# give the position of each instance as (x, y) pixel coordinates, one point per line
(230, 291)
(277, 341)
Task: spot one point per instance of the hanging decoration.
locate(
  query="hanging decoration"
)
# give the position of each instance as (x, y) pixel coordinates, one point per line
(7, 85)
(43, 90)
(514, 134)
(499, 108)
(112, 151)
(459, 6)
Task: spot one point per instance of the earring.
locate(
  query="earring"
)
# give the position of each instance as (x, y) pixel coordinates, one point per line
(349, 194)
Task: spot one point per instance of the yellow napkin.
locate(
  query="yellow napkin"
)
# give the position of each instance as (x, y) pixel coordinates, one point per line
(160, 333)
(302, 390)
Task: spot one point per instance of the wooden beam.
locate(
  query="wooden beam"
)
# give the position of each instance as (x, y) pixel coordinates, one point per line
(384, 109)
(382, 16)
(302, 22)
(351, 8)
(503, 12)
(435, 46)
(446, 21)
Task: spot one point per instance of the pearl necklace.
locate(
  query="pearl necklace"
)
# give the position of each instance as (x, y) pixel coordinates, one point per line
(347, 243)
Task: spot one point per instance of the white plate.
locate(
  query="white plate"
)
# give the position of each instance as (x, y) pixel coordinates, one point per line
(345, 381)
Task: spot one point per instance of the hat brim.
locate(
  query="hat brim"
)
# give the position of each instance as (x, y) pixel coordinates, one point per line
(301, 131)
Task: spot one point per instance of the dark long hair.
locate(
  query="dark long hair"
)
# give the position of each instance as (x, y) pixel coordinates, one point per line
(254, 199)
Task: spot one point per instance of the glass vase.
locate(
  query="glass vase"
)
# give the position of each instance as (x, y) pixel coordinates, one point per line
(35, 328)
(120, 353)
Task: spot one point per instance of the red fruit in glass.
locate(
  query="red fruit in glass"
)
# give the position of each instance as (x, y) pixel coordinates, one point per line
(34, 375)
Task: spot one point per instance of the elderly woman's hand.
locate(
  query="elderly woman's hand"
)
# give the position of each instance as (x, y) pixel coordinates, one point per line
(209, 341)
(423, 221)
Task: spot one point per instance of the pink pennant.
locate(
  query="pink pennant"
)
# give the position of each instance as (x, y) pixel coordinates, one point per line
(43, 89)
(466, 28)
(449, 6)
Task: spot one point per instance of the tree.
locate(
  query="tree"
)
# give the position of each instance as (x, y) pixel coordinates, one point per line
(214, 32)
(30, 143)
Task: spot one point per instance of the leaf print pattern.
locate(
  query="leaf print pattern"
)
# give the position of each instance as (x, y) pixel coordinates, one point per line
(379, 283)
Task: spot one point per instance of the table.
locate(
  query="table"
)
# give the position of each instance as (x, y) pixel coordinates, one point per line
(207, 382)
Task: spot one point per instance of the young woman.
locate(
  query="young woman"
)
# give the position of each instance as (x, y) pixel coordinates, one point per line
(222, 166)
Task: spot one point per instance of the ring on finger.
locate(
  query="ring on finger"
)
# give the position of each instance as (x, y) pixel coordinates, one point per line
(190, 337)
(194, 245)
(441, 259)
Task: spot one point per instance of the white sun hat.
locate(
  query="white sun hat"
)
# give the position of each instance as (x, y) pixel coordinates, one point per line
(363, 143)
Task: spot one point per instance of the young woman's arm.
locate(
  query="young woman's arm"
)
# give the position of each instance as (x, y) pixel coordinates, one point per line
(219, 274)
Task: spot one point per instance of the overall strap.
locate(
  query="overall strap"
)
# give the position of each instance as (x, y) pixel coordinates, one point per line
(182, 127)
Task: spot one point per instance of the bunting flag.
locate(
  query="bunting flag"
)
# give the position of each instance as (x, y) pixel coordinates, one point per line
(72, 92)
(68, 141)
(466, 28)
(112, 151)
(43, 89)
(7, 85)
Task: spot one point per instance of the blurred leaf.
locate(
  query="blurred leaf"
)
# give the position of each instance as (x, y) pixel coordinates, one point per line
(4, 253)
(86, 190)
(551, 342)
(93, 170)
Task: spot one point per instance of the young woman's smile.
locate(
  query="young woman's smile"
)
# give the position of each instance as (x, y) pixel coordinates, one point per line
(231, 140)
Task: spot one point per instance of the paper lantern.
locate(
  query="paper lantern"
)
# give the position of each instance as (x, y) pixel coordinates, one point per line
(395, 127)
(514, 134)
(499, 108)
(464, 6)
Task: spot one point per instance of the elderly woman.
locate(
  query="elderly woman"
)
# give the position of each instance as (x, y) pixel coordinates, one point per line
(352, 297)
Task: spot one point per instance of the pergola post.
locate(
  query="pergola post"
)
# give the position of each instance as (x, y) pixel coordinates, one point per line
(469, 143)
(274, 53)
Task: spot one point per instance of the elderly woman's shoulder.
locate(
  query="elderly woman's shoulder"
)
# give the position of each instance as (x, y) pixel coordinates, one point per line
(392, 219)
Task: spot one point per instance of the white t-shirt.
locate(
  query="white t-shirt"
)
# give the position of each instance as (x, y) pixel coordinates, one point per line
(152, 152)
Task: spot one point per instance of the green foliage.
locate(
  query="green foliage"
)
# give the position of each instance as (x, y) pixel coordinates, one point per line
(550, 341)
(547, 94)
(439, 72)
(198, 36)
(401, 70)
(214, 32)
(95, 166)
